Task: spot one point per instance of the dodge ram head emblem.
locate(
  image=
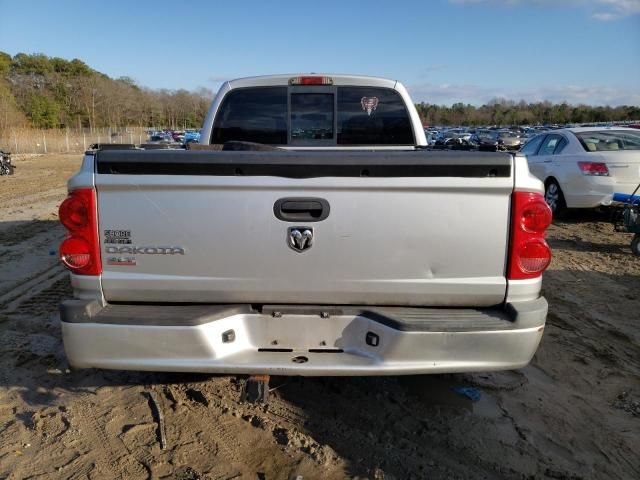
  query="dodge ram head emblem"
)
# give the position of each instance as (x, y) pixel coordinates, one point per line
(300, 239)
(369, 104)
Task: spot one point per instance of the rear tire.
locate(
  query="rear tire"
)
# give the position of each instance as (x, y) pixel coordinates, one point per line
(554, 197)
(635, 244)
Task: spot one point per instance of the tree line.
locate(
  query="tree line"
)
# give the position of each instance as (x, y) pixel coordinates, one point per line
(50, 92)
(43, 92)
(507, 112)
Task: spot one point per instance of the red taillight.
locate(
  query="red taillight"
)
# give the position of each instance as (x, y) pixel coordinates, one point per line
(75, 253)
(311, 81)
(73, 213)
(529, 254)
(80, 251)
(594, 168)
(536, 216)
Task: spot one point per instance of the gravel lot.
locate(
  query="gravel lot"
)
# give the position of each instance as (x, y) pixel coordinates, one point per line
(574, 413)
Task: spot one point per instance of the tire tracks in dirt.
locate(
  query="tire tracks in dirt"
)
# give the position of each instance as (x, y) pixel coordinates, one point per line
(108, 452)
(220, 427)
(10, 301)
(23, 232)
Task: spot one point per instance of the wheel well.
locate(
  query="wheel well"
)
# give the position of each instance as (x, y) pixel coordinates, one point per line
(562, 200)
(551, 179)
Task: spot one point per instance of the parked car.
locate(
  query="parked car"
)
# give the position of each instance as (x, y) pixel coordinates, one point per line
(486, 140)
(191, 136)
(6, 167)
(583, 167)
(352, 252)
(176, 135)
(161, 138)
(430, 136)
(508, 140)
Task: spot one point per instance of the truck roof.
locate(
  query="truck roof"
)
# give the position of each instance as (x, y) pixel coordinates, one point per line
(338, 79)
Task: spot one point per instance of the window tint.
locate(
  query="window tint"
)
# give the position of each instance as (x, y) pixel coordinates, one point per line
(531, 147)
(311, 116)
(561, 144)
(549, 145)
(607, 140)
(365, 116)
(253, 115)
(372, 116)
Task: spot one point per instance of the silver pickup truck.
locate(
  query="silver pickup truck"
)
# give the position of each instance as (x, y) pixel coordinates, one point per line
(331, 243)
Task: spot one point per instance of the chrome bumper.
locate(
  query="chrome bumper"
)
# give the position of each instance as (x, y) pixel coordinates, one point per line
(300, 340)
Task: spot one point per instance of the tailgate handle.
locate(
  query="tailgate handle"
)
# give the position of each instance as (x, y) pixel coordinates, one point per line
(301, 209)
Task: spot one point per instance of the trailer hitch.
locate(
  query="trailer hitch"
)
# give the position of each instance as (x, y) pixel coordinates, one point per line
(256, 389)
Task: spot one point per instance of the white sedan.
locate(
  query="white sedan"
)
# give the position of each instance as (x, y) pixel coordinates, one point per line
(583, 167)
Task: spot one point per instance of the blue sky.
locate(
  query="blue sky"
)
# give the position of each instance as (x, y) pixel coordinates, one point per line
(444, 51)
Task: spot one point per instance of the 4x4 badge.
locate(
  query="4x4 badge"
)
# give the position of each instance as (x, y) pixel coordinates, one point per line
(300, 239)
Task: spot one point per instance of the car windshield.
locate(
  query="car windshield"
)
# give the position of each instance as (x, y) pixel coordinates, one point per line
(609, 140)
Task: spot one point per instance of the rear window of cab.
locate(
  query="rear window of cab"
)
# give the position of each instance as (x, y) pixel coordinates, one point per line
(314, 116)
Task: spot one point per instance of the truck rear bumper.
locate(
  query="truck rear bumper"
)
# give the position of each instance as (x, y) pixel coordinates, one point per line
(301, 340)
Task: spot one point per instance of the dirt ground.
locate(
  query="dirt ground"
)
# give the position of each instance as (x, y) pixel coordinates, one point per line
(574, 413)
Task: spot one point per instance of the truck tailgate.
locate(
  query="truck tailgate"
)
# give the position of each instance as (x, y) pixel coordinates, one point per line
(401, 228)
